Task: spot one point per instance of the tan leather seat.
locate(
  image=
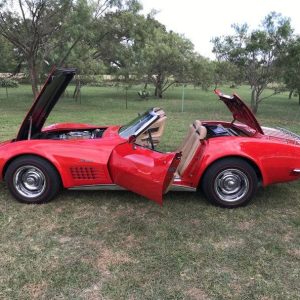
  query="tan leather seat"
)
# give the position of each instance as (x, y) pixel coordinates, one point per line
(195, 126)
(188, 147)
(156, 129)
(196, 133)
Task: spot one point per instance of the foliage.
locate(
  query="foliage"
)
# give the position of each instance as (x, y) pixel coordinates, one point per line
(256, 52)
(8, 83)
(144, 94)
(8, 56)
(225, 72)
(165, 59)
(131, 44)
(290, 64)
(201, 72)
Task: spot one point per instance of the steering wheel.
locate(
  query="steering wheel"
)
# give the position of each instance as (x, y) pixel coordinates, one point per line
(150, 139)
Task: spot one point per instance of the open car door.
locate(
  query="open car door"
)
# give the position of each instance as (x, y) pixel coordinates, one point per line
(143, 171)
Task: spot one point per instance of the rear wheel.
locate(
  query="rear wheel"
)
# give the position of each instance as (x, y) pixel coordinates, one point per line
(230, 182)
(31, 179)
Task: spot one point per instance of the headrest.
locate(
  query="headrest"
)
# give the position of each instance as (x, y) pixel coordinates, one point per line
(202, 131)
(197, 124)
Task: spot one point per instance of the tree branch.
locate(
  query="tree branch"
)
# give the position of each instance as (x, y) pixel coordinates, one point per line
(163, 90)
(23, 15)
(69, 50)
(274, 93)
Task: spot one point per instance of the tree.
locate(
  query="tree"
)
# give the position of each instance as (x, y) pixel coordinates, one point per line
(256, 53)
(201, 71)
(227, 72)
(39, 29)
(291, 67)
(115, 41)
(165, 58)
(30, 26)
(132, 44)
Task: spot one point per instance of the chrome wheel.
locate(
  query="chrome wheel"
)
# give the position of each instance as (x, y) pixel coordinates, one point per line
(29, 181)
(231, 185)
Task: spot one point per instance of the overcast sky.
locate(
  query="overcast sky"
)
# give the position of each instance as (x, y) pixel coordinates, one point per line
(202, 20)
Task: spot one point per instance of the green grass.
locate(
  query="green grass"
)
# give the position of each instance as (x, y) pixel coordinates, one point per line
(117, 245)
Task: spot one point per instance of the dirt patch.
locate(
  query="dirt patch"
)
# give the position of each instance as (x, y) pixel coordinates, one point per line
(109, 258)
(228, 243)
(92, 293)
(58, 210)
(35, 290)
(195, 222)
(196, 294)
(50, 226)
(295, 252)
(288, 237)
(246, 225)
(6, 259)
(64, 239)
(131, 242)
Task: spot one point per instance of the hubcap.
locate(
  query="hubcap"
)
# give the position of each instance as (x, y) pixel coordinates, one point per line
(231, 185)
(29, 181)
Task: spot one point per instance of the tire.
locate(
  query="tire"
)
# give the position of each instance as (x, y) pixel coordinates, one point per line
(230, 182)
(32, 180)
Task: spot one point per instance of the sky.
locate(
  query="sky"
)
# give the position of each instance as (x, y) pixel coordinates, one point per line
(200, 21)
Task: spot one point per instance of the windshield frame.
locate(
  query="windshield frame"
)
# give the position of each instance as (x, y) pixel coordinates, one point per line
(139, 124)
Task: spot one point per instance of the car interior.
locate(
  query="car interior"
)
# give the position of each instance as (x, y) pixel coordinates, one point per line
(154, 133)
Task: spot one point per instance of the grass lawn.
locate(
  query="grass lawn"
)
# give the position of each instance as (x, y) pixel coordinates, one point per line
(117, 245)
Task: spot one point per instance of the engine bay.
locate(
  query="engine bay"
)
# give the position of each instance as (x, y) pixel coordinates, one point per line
(72, 134)
(218, 130)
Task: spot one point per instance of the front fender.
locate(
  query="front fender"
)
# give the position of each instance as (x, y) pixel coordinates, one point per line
(80, 156)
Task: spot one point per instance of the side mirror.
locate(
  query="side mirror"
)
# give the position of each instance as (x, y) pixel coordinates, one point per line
(132, 139)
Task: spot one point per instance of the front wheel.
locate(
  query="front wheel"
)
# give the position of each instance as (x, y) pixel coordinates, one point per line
(32, 180)
(230, 183)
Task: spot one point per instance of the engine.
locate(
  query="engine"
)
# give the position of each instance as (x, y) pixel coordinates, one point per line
(72, 135)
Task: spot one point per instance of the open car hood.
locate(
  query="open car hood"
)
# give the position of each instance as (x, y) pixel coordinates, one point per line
(240, 111)
(53, 88)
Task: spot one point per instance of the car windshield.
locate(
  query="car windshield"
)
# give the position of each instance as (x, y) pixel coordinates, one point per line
(138, 125)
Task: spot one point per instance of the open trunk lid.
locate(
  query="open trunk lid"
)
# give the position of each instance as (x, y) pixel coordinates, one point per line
(240, 111)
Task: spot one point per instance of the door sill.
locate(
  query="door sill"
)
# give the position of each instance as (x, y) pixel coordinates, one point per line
(115, 187)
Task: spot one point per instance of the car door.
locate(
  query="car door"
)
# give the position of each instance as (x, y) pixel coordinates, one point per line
(143, 171)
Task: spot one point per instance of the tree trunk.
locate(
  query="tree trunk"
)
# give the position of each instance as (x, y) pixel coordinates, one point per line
(254, 102)
(159, 86)
(77, 91)
(33, 77)
(299, 96)
(291, 94)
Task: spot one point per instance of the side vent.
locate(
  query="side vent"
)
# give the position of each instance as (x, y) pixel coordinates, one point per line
(85, 173)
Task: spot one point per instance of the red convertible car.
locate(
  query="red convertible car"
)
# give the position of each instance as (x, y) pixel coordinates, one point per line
(227, 160)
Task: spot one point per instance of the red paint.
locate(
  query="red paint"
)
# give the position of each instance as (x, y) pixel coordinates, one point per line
(143, 171)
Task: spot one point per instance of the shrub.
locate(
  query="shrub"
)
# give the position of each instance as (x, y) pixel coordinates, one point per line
(8, 83)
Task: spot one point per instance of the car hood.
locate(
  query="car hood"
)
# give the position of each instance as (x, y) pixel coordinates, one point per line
(53, 88)
(240, 111)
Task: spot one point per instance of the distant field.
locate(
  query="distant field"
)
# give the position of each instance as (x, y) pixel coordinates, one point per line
(117, 245)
